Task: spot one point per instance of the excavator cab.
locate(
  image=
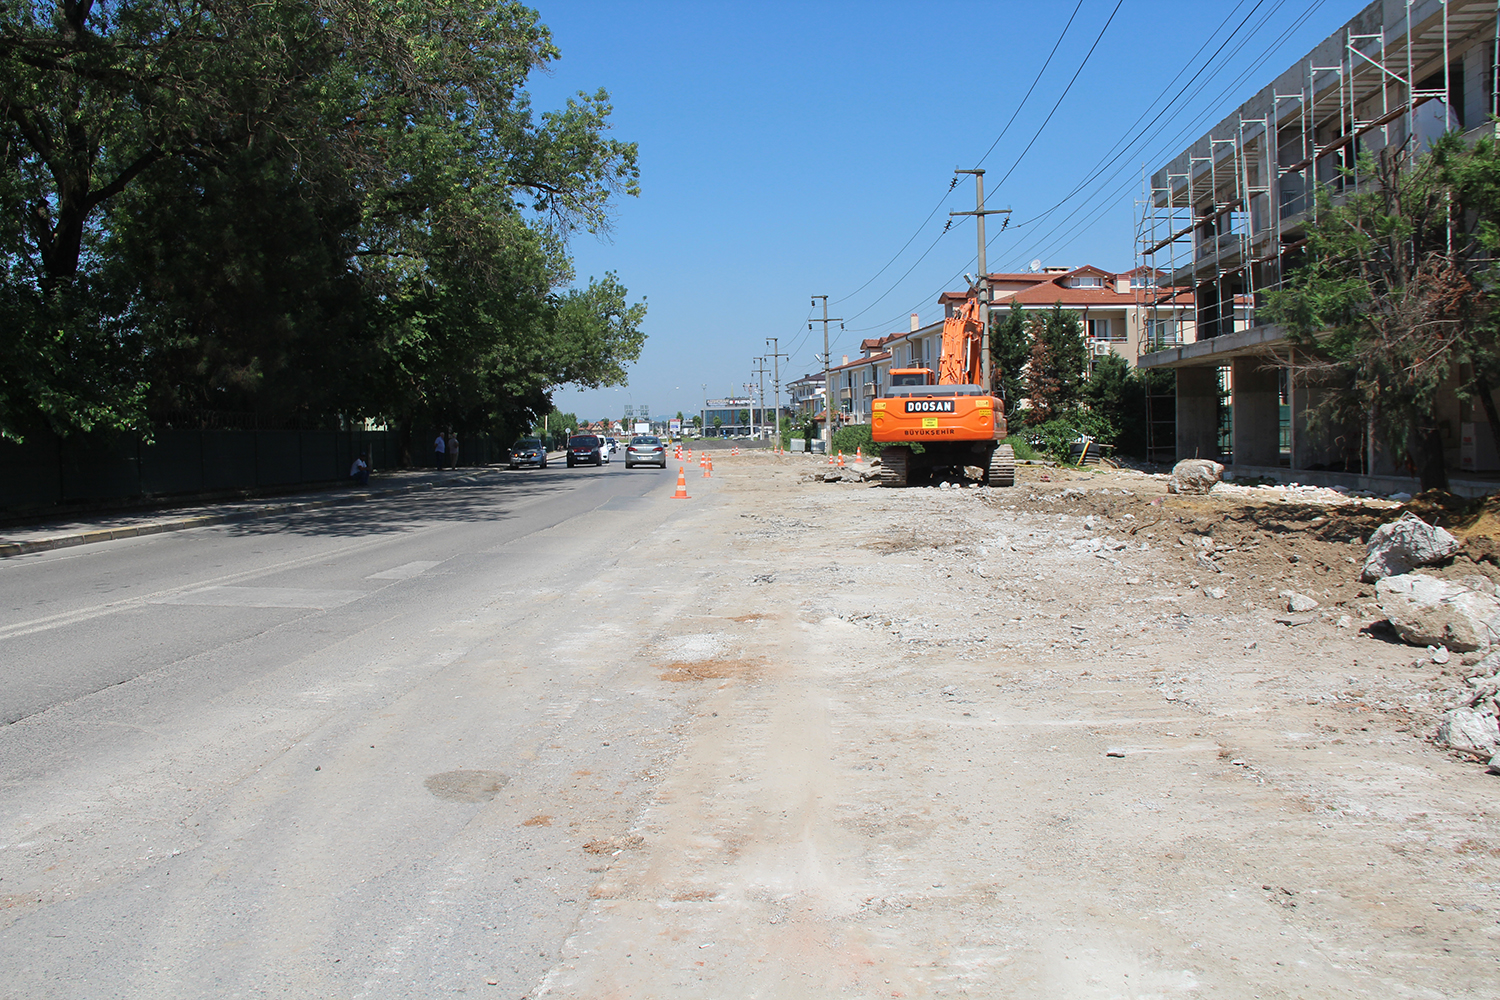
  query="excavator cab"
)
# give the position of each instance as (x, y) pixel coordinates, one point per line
(911, 376)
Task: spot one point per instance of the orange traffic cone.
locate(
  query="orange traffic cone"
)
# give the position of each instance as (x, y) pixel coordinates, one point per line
(841, 460)
(710, 465)
(681, 493)
(859, 453)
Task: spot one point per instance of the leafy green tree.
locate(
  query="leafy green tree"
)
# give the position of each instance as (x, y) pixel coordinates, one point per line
(1396, 294)
(152, 148)
(1010, 351)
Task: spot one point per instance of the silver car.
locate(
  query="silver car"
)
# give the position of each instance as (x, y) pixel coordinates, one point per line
(645, 449)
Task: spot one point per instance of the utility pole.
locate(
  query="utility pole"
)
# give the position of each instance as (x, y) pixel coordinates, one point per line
(827, 389)
(984, 274)
(776, 382)
(760, 372)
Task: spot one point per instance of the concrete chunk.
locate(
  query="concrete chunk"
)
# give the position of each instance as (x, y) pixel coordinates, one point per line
(1404, 544)
(1427, 611)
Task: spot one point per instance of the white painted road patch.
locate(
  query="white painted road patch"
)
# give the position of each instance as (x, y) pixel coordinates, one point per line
(262, 597)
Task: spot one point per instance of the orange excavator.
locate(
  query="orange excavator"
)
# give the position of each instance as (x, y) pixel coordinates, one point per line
(955, 420)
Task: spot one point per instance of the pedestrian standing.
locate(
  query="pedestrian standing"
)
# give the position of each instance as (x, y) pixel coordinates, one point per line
(439, 451)
(453, 450)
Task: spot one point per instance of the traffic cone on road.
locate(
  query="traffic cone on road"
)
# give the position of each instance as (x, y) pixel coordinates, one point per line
(710, 466)
(830, 458)
(859, 453)
(841, 460)
(681, 493)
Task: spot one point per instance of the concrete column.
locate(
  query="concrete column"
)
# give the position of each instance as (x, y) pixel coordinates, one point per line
(1255, 394)
(1197, 412)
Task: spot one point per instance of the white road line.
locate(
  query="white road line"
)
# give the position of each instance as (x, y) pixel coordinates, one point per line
(405, 571)
(263, 597)
(99, 610)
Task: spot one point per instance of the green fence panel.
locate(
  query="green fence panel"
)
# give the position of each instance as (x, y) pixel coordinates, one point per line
(100, 468)
(172, 463)
(30, 473)
(228, 460)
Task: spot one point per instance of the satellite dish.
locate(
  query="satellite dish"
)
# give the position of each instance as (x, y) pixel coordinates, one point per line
(1036, 265)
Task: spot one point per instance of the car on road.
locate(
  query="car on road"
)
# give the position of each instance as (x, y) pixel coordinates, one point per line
(528, 451)
(586, 449)
(645, 449)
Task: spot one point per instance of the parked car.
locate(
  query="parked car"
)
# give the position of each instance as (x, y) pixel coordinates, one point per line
(645, 449)
(528, 451)
(586, 449)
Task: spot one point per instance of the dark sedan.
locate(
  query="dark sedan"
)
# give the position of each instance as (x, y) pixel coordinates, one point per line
(585, 449)
(645, 449)
(528, 451)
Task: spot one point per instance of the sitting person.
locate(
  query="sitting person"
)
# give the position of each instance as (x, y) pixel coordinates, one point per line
(360, 471)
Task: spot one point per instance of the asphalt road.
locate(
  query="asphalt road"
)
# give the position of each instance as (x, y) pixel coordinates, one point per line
(255, 759)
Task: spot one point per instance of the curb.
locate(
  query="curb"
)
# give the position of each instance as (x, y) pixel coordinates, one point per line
(203, 520)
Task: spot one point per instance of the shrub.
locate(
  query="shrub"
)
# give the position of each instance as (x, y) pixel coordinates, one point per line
(853, 436)
(1056, 436)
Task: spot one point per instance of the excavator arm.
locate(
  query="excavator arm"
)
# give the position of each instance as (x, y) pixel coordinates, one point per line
(963, 339)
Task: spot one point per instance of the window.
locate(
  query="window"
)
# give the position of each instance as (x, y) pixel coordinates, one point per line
(1161, 331)
(1143, 281)
(1102, 329)
(1087, 281)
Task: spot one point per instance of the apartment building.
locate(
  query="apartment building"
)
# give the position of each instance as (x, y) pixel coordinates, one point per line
(1226, 218)
(1128, 313)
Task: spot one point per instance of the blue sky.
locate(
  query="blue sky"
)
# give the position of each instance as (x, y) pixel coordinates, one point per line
(793, 149)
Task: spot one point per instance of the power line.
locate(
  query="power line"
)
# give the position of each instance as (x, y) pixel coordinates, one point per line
(1013, 166)
(1154, 128)
(953, 183)
(1062, 96)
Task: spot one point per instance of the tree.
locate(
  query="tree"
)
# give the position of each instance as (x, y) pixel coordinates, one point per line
(1010, 350)
(1041, 380)
(428, 212)
(1396, 296)
(745, 417)
(718, 423)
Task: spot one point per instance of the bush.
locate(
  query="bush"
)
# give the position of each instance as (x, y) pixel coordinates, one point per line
(1056, 436)
(853, 436)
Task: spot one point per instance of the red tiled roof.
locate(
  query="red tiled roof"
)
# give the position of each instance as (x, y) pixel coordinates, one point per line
(872, 359)
(1046, 295)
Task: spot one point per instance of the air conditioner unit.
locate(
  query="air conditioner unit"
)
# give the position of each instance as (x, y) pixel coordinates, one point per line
(1100, 348)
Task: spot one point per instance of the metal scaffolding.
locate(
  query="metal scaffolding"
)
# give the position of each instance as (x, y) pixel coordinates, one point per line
(1221, 223)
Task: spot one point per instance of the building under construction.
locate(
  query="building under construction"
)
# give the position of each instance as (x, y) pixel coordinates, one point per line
(1226, 220)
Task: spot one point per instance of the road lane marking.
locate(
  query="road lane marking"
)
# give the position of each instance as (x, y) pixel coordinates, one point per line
(405, 571)
(262, 597)
(74, 617)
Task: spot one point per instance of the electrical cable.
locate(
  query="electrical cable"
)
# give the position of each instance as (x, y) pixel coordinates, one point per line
(954, 182)
(1062, 96)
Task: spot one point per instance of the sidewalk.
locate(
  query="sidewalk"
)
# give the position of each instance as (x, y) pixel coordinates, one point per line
(196, 512)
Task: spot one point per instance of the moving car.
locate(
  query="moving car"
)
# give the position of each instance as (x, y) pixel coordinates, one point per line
(528, 451)
(586, 449)
(645, 449)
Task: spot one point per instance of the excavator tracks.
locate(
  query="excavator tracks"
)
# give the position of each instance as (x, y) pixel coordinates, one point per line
(893, 466)
(1002, 470)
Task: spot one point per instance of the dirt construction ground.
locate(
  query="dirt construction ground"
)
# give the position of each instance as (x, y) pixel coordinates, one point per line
(1061, 740)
